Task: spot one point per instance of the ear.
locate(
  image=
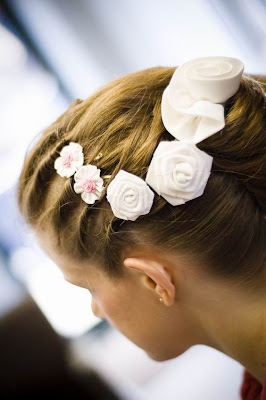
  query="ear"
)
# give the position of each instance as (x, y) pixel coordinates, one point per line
(162, 282)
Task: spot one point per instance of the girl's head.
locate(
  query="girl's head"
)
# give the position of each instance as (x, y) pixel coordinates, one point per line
(181, 253)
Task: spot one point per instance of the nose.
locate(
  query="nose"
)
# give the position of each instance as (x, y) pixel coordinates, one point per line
(96, 309)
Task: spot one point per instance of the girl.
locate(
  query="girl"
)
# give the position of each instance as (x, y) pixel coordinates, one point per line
(97, 190)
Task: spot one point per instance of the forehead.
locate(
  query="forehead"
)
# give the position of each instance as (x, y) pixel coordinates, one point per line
(47, 241)
(71, 269)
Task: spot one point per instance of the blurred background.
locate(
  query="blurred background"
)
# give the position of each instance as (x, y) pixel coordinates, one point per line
(51, 52)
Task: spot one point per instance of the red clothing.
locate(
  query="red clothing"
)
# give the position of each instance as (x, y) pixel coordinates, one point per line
(251, 389)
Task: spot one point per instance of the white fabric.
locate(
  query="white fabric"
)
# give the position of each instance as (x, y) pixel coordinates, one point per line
(75, 151)
(92, 173)
(189, 109)
(129, 196)
(179, 171)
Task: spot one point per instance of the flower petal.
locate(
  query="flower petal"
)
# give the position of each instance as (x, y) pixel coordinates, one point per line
(89, 198)
(129, 196)
(58, 162)
(75, 151)
(189, 103)
(179, 171)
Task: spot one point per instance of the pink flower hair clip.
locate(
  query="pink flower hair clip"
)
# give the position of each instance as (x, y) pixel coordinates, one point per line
(88, 182)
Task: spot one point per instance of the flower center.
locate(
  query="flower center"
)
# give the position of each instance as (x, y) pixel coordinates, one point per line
(130, 196)
(88, 185)
(182, 173)
(67, 158)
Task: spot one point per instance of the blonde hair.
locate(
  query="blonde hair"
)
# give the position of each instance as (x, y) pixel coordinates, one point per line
(223, 230)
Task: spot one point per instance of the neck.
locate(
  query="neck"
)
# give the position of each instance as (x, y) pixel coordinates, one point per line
(244, 339)
(235, 324)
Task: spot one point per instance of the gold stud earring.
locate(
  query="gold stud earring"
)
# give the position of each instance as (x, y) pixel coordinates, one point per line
(161, 300)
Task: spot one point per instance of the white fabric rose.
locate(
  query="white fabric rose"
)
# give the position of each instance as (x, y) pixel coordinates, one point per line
(179, 171)
(70, 160)
(189, 109)
(89, 183)
(129, 196)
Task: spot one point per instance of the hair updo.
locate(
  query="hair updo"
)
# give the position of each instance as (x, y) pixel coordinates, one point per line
(223, 230)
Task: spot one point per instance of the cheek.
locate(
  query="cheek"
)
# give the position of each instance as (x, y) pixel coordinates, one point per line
(129, 318)
(146, 323)
(146, 326)
(115, 310)
(96, 309)
(107, 308)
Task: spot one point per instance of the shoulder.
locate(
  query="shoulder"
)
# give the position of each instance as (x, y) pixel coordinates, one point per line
(251, 388)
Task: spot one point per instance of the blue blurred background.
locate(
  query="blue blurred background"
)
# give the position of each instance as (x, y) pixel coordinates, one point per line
(51, 52)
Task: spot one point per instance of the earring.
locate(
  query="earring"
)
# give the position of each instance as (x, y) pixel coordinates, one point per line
(161, 300)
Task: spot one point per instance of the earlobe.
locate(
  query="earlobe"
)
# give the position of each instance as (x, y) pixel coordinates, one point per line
(160, 279)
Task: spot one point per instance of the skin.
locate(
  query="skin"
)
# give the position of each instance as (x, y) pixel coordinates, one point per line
(197, 308)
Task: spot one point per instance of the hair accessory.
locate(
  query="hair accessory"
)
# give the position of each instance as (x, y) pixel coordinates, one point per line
(87, 177)
(89, 183)
(192, 110)
(189, 103)
(70, 160)
(129, 196)
(179, 171)
(98, 156)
